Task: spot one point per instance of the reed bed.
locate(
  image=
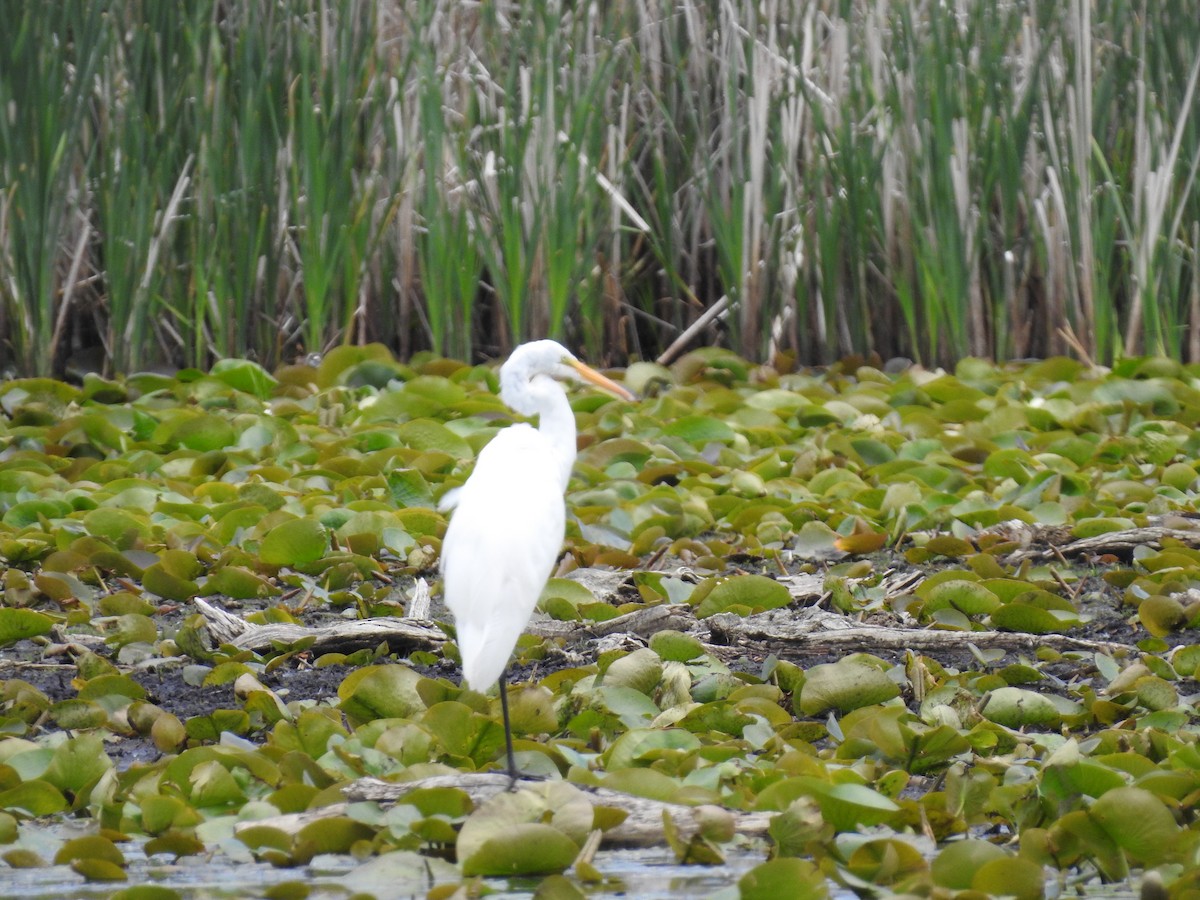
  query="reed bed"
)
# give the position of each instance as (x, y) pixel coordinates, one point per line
(270, 178)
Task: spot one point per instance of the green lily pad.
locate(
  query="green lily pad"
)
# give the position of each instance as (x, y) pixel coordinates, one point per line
(640, 670)
(788, 877)
(844, 685)
(294, 543)
(19, 624)
(1138, 822)
(700, 430)
(380, 692)
(956, 864)
(1012, 877)
(675, 646)
(91, 846)
(35, 798)
(246, 376)
(1018, 708)
(525, 833)
(528, 848)
(752, 593)
(969, 597)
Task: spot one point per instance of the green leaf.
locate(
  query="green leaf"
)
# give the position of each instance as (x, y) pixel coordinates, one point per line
(19, 624)
(796, 879)
(204, 432)
(37, 798)
(294, 543)
(426, 434)
(844, 685)
(700, 430)
(1018, 708)
(158, 580)
(78, 763)
(91, 846)
(408, 487)
(529, 832)
(239, 583)
(1013, 877)
(380, 692)
(99, 870)
(638, 745)
(955, 865)
(527, 848)
(640, 670)
(848, 806)
(1018, 616)
(1139, 823)
(753, 592)
(246, 376)
(336, 834)
(969, 597)
(676, 646)
(146, 892)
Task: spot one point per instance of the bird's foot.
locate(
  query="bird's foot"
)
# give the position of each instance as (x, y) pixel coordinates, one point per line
(515, 777)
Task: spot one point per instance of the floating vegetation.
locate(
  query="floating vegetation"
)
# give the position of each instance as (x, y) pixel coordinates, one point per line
(913, 632)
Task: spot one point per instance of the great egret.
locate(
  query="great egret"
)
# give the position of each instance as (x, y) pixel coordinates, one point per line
(509, 518)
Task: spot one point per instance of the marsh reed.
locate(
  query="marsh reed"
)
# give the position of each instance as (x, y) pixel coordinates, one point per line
(270, 178)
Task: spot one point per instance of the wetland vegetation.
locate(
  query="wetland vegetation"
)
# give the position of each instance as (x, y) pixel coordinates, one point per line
(822, 623)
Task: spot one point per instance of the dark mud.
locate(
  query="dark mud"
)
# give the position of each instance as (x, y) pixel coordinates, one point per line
(1106, 619)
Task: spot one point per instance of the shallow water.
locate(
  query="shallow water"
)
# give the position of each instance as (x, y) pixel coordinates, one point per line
(649, 874)
(645, 873)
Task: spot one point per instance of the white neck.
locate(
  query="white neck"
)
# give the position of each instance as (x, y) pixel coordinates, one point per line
(556, 421)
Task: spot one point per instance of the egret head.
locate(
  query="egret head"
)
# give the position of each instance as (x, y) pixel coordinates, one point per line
(530, 364)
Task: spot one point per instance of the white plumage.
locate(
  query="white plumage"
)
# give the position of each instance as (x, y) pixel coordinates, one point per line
(509, 518)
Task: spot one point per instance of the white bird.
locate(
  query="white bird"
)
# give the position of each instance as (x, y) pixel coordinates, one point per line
(510, 517)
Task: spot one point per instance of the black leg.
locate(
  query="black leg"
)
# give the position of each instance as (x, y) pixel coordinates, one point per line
(512, 763)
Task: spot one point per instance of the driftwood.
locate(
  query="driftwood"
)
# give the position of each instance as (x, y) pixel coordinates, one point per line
(818, 630)
(642, 826)
(787, 631)
(401, 634)
(1043, 542)
(421, 634)
(1116, 543)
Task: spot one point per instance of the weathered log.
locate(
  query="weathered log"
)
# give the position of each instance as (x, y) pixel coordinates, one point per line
(788, 630)
(400, 634)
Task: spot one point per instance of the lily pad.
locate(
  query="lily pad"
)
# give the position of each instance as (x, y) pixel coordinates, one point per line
(749, 593)
(19, 624)
(294, 543)
(844, 685)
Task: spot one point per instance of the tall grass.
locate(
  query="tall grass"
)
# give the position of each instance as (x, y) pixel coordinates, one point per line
(48, 59)
(804, 178)
(236, 231)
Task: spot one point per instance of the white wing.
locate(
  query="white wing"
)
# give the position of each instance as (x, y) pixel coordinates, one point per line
(500, 547)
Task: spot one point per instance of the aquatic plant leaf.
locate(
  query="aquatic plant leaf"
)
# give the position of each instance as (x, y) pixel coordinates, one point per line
(676, 646)
(508, 834)
(783, 877)
(35, 798)
(1013, 877)
(19, 624)
(380, 692)
(754, 593)
(955, 865)
(294, 543)
(246, 376)
(640, 670)
(1017, 708)
(1139, 823)
(844, 685)
(92, 846)
(885, 861)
